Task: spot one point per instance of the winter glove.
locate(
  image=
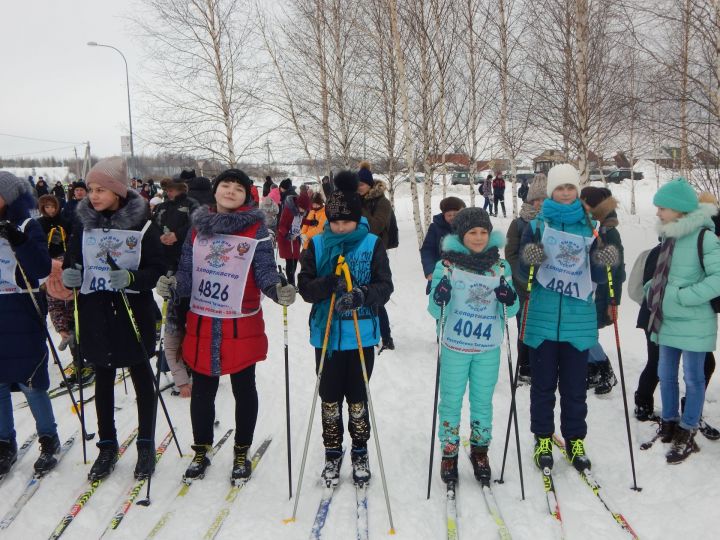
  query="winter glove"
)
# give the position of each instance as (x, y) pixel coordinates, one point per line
(285, 294)
(533, 254)
(121, 278)
(350, 300)
(313, 222)
(505, 294)
(12, 234)
(72, 277)
(165, 286)
(608, 255)
(67, 341)
(443, 292)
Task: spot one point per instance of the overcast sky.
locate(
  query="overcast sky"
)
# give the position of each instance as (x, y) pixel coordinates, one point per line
(53, 86)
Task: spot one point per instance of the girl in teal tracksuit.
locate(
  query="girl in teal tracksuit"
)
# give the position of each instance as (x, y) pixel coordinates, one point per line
(471, 286)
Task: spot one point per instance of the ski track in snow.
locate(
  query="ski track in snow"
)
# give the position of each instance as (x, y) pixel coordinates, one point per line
(676, 502)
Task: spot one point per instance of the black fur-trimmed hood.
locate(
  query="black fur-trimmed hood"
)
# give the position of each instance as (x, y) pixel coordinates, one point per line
(131, 216)
(206, 221)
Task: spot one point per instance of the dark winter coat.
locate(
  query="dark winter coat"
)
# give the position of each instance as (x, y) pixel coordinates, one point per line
(57, 234)
(59, 192)
(430, 250)
(106, 334)
(24, 353)
(174, 216)
(486, 188)
(224, 346)
(42, 189)
(376, 208)
(523, 191)
(68, 214)
(514, 234)
(288, 248)
(200, 189)
(499, 188)
(267, 186)
(328, 188)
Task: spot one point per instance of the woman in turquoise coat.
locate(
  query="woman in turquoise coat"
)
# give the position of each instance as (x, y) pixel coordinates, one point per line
(472, 292)
(682, 321)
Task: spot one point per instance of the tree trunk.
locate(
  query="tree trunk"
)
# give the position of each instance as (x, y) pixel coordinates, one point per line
(324, 99)
(583, 111)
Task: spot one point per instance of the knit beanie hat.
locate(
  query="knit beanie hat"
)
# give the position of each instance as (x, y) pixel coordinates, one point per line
(233, 175)
(468, 218)
(344, 203)
(448, 204)
(11, 187)
(538, 188)
(594, 195)
(286, 184)
(187, 174)
(79, 184)
(562, 174)
(365, 175)
(677, 195)
(110, 173)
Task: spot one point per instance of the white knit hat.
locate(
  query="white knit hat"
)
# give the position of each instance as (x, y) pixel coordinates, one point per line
(560, 175)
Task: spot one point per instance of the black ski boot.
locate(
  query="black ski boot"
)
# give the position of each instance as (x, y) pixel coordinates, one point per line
(8, 456)
(361, 466)
(576, 451)
(667, 430)
(199, 463)
(543, 452)
(593, 375)
(333, 461)
(606, 378)
(710, 432)
(480, 464)
(449, 469)
(105, 462)
(683, 445)
(524, 375)
(49, 449)
(644, 409)
(242, 467)
(145, 466)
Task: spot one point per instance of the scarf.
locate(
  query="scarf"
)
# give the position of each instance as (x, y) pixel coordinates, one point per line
(563, 213)
(528, 212)
(659, 283)
(476, 262)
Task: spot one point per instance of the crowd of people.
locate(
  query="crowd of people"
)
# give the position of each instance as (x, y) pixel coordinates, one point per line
(209, 249)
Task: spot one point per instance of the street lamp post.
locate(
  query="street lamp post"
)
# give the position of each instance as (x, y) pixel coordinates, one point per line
(127, 81)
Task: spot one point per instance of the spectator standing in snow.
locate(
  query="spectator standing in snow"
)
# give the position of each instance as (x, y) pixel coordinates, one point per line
(267, 186)
(486, 190)
(327, 186)
(41, 187)
(294, 211)
(498, 185)
(440, 227)
(59, 192)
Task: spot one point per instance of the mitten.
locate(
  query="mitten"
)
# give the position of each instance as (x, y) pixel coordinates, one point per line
(350, 300)
(505, 294)
(608, 255)
(166, 285)
(285, 294)
(72, 277)
(12, 234)
(120, 278)
(443, 292)
(533, 254)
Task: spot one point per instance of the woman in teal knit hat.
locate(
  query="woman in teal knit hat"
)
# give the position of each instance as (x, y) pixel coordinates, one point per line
(682, 321)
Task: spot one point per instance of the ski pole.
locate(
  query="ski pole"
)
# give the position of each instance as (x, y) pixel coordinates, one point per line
(338, 270)
(284, 282)
(56, 358)
(78, 361)
(361, 353)
(138, 336)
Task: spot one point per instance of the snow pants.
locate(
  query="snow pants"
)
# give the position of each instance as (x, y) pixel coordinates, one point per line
(553, 364)
(456, 371)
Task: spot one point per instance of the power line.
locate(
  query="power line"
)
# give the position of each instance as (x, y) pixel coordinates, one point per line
(40, 140)
(24, 154)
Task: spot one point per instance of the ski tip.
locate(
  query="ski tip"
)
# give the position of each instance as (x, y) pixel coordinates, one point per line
(289, 520)
(391, 531)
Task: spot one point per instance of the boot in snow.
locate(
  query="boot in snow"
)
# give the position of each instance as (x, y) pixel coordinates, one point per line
(8, 456)
(667, 430)
(644, 409)
(577, 455)
(49, 449)
(360, 465)
(449, 469)
(710, 432)
(242, 467)
(683, 445)
(606, 378)
(524, 375)
(105, 462)
(593, 375)
(199, 463)
(481, 464)
(333, 461)
(145, 466)
(543, 452)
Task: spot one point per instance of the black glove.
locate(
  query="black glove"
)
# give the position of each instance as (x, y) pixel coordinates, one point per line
(12, 234)
(313, 222)
(505, 294)
(443, 292)
(533, 254)
(350, 300)
(608, 255)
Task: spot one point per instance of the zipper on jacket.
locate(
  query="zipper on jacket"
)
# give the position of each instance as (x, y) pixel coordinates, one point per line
(235, 335)
(561, 301)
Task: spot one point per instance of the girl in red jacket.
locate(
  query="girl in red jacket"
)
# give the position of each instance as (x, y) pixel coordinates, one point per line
(294, 210)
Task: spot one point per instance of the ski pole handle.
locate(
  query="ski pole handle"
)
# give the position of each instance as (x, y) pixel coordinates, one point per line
(283, 279)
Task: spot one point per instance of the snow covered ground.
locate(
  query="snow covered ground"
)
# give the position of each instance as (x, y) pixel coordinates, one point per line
(675, 502)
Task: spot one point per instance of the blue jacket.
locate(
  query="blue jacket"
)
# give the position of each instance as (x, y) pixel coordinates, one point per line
(430, 250)
(552, 316)
(24, 353)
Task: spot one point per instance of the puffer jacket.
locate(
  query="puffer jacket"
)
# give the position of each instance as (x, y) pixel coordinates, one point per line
(430, 250)
(288, 248)
(311, 230)
(376, 208)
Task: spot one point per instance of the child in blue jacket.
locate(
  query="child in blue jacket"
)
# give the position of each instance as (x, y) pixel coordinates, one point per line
(471, 287)
(561, 322)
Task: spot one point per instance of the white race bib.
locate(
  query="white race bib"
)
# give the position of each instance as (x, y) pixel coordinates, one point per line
(125, 248)
(221, 263)
(8, 266)
(567, 267)
(473, 324)
(296, 226)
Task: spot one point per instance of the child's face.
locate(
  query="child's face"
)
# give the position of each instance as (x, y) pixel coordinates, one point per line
(667, 215)
(343, 226)
(50, 209)
(229, 196)
(316, 206)
(565, 194)
(450, 215)
(102, 198)
(476, 239)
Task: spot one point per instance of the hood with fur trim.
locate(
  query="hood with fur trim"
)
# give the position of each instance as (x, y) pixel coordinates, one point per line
(378, 190)
(19, 210)
(689, 223)
(207, 222)
(606, 211)
(452, 242)
(132, 215)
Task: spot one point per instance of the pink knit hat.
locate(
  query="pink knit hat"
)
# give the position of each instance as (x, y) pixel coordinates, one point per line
(110, 173)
